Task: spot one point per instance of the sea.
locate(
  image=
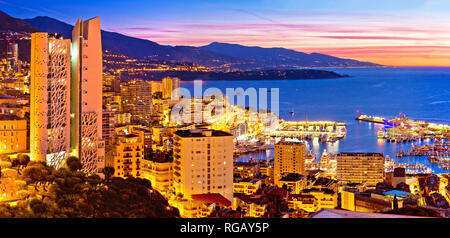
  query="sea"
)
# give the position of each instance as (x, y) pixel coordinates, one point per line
(421, 93)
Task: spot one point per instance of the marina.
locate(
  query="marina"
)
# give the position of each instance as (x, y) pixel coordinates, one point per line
(401, 129)
(324, 131)
(333, 100)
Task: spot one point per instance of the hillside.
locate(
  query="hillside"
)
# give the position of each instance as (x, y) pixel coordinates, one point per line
(281, 57)
(8, 23)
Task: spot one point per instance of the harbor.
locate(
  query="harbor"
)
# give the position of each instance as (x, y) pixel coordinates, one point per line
(419, 147)
(402, 129)
(324, 131)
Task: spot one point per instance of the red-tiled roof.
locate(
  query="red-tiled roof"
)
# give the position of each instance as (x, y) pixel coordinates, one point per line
(211, 198)
(248, 199)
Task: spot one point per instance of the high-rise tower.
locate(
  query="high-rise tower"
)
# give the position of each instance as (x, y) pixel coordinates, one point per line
(49, 99)
(289, 158)
(13, 55)
(86, 95)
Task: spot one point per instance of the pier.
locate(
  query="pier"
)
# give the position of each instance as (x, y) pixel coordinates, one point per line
(402, 129)
(325, 131)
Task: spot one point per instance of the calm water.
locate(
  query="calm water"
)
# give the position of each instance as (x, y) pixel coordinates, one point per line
(421, 93)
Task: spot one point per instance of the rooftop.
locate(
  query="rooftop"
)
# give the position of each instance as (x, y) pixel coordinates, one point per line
(201, 133)
(334, 213)
(283, 142)
(398, 193)
(9, 117)
(359, 154)
(249, 180)
(211, 198)
(292, 177)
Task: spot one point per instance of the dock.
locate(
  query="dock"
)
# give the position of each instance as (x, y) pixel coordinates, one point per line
(325, 131)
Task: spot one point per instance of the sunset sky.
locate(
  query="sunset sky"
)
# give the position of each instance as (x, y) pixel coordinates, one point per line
(400, 32)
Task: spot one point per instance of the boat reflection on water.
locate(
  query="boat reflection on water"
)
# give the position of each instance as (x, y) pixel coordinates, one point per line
(317, 151)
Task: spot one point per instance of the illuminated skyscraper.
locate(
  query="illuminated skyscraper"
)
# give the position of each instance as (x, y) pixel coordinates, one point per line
(49, 99)
(203, 162)
(13, 55)
(86, 95)
(136, 99)
(289, 158)
(366, 168)
(169, 84)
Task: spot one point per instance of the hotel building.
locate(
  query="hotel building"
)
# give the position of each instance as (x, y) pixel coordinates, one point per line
(49, 99)
(13, 134)
(366, 168)
(127, 153)
(86, 95)
(159, 171)
(203, 163)
(289, 158)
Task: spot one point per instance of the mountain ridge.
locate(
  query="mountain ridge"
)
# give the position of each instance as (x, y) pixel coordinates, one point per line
(215, 55)
(280, 56)
(9, 23)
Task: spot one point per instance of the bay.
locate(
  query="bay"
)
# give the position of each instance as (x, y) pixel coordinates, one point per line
(421, 93)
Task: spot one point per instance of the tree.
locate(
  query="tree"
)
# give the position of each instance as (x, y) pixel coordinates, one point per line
(395, 204)
(24, 159)
(73, 163)
(109, 172)
(72, 193)
(15, 162)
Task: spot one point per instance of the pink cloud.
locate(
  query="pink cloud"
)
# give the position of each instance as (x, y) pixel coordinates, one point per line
(376, 38)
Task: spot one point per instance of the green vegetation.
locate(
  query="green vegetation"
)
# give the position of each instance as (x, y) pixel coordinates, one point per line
(68, 192)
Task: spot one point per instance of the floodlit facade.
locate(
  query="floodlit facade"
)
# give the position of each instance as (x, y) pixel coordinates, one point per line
(169, 85)
(13, 134)
(366, 168)
(86, 95)
(203, 162)
(49, 99)
(136, 100)
(289, 158)
(159, 172)
(128, 154)
(13, 56)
